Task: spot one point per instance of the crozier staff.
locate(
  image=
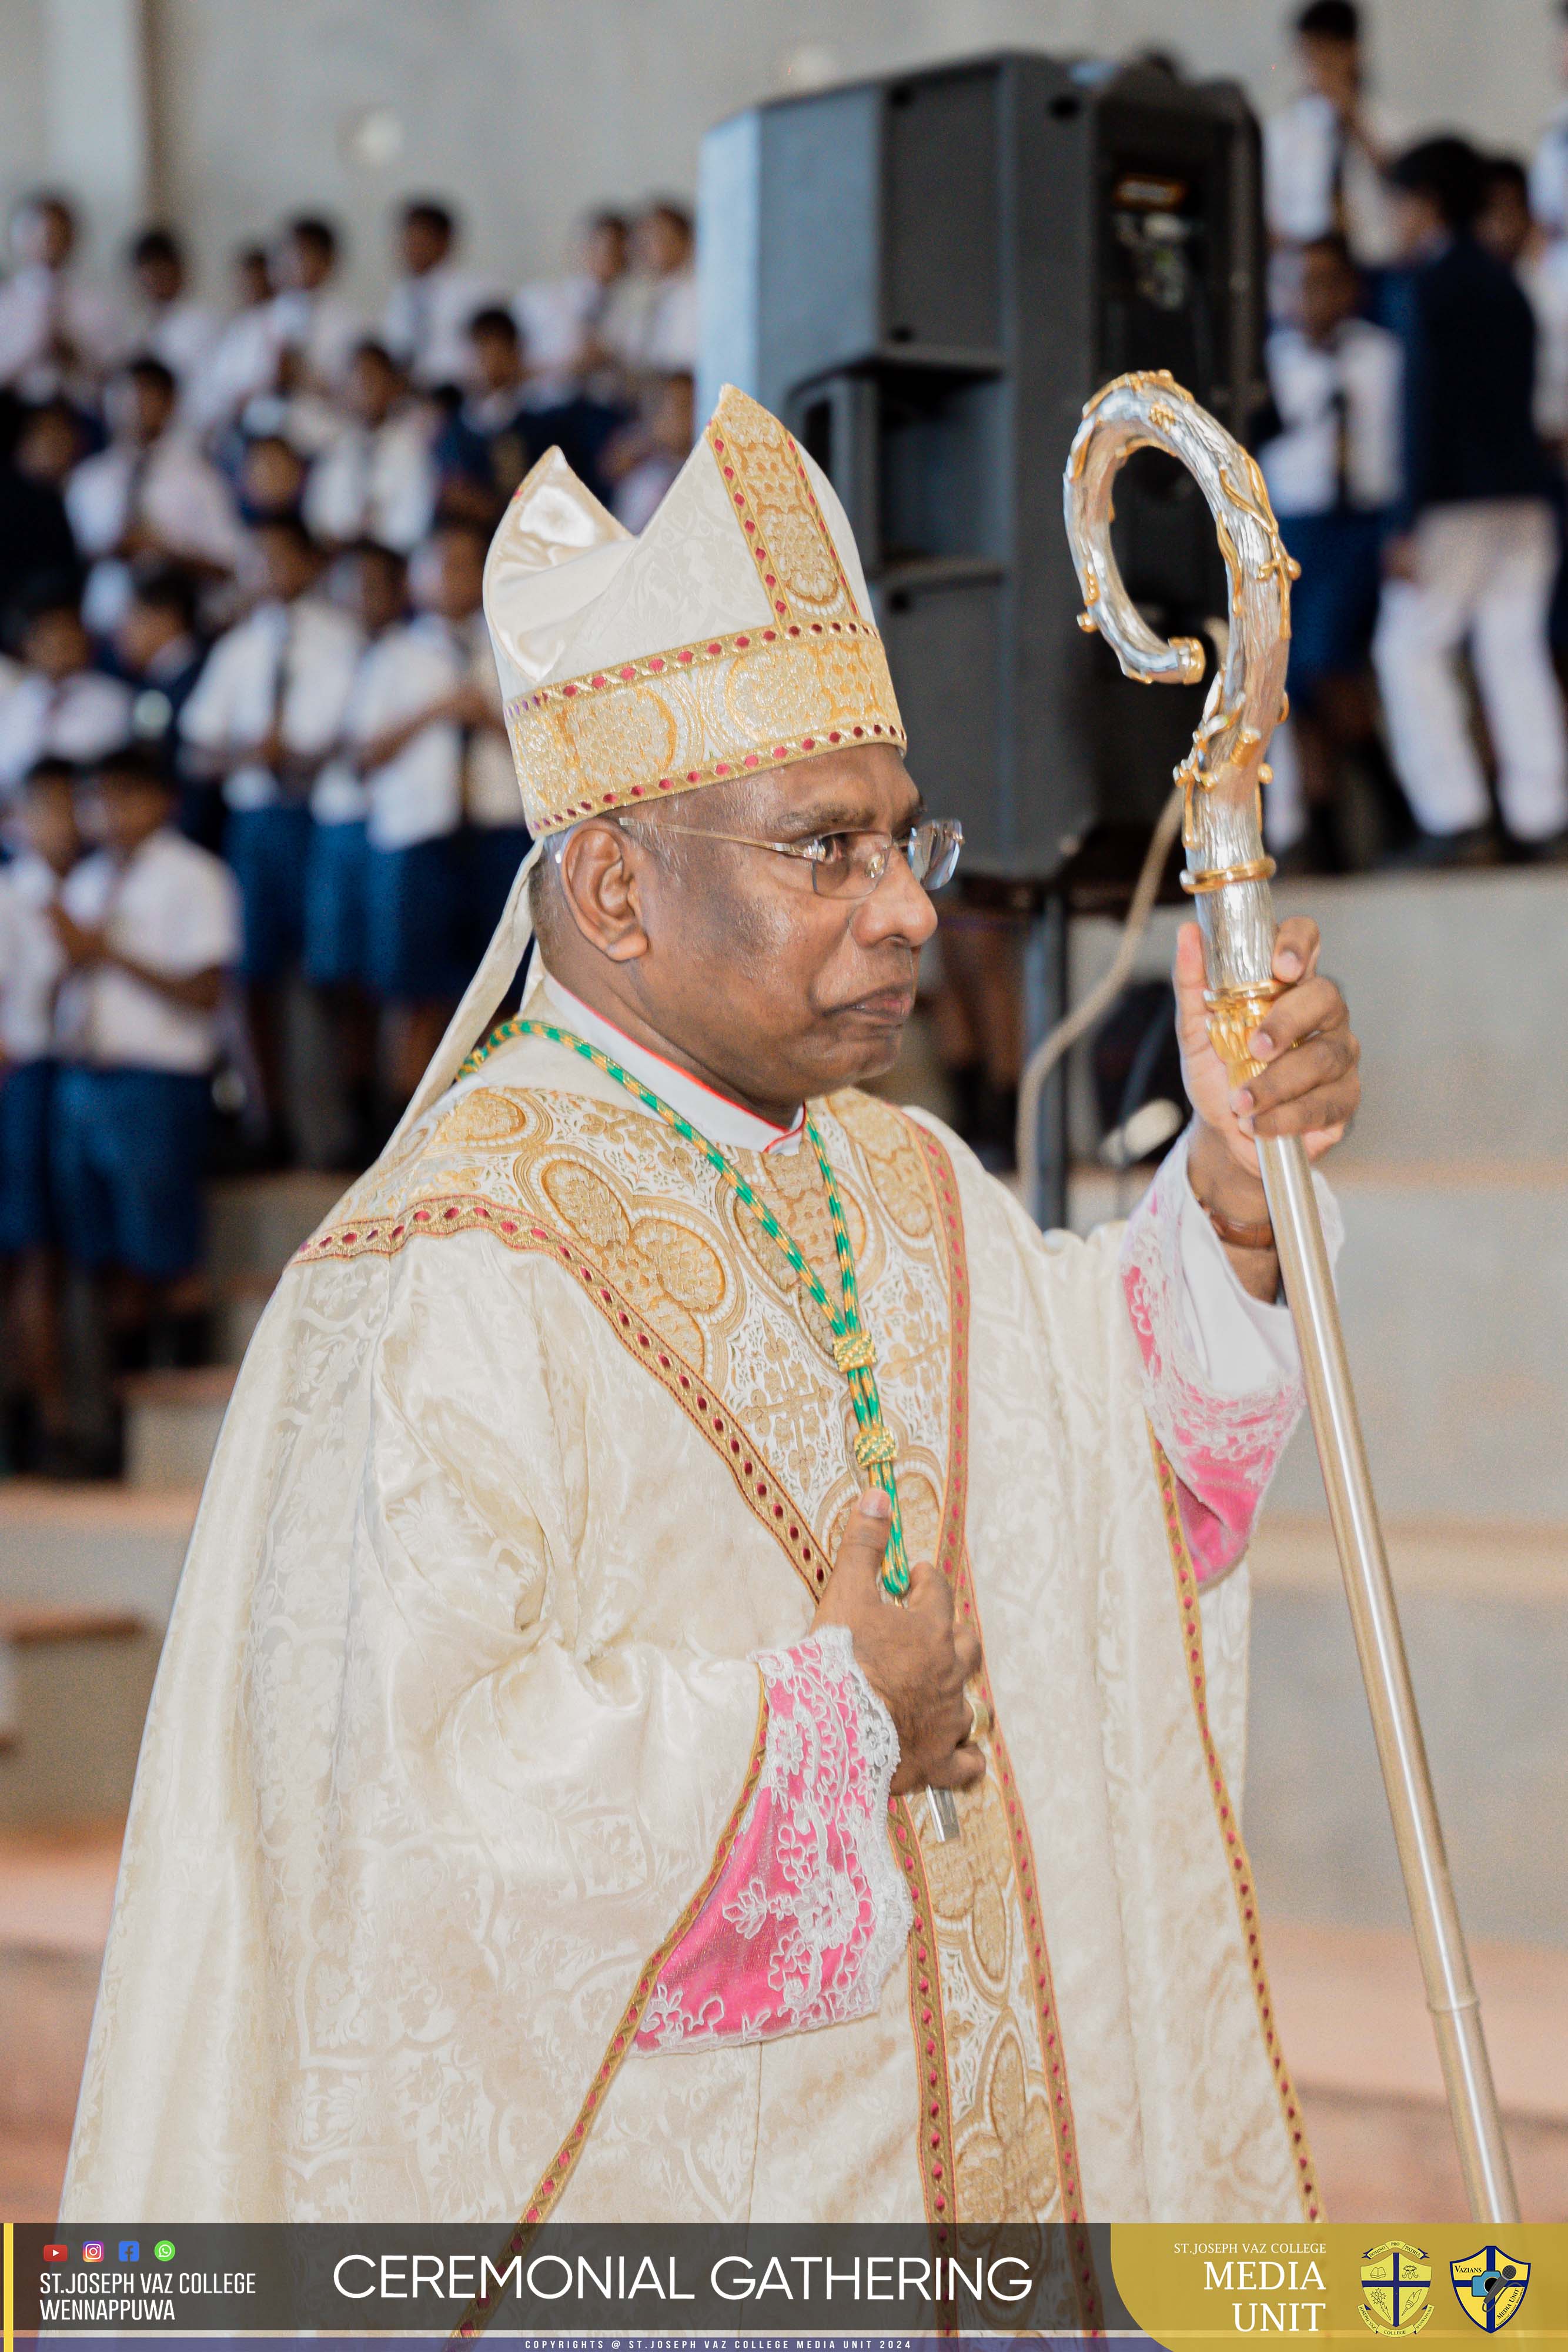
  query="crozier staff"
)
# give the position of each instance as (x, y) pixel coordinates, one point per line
(529, 1816)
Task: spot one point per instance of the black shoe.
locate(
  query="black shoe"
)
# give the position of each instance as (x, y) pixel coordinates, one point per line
(1475, 844)
(1552, 851)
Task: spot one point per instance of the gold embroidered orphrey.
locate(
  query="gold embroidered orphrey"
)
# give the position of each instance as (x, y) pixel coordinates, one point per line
(814, 678)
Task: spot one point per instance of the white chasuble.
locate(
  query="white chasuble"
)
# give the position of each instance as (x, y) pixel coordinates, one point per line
(541, 1440)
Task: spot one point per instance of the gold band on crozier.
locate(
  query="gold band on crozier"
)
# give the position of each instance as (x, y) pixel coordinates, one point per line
(1219, 878)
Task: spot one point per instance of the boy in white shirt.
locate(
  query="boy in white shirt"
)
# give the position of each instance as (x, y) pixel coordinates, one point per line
(313, 327)
(495, 839)
(44, 835)
(150, 925)
(413, 709)
(336, 923)
(61, 705)
(56, 334)
(574, 325)
(265, 712)
(376, 477)
(425, 324)
(660, 335)
(1324, 154)
(1334, 474)
(243, 361)
(151, 493)
(170, 324)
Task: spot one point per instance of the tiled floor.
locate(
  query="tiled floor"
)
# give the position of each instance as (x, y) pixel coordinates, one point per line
(1350, 2005)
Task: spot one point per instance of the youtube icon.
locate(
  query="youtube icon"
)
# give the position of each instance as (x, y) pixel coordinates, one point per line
(56, 2254)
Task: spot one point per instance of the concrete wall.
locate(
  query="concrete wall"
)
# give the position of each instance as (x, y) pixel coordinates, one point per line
(527, 111)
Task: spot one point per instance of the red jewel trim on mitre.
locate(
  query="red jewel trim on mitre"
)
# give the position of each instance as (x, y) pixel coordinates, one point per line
(700, 651)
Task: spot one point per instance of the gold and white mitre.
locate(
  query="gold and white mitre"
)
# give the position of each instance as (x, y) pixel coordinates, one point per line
(734, 634)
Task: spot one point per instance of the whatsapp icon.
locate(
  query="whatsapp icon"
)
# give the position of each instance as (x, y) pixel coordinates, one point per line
(164, 2249)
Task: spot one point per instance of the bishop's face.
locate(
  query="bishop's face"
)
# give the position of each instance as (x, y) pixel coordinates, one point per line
(768, 984)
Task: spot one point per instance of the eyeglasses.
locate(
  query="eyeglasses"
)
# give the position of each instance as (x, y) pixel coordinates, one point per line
(852, 865)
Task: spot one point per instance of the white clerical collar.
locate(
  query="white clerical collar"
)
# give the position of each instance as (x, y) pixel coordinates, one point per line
(712, 1114)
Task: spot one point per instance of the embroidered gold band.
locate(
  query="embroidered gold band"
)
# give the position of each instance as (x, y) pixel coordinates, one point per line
(757, 699)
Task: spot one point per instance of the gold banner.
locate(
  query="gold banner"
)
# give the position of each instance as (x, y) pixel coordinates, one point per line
(1445, 2281)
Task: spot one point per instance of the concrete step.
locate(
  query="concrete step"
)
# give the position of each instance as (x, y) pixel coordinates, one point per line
(87, 1580)
(1453, 1287)
(1355, 2027)
(76, 1708)
(1487, 1634)
(255, 1223)
(92, 1546)
(172, 1423)
(1456, 983)
(236, 1310)
(1454, 1293)
(55, 1893)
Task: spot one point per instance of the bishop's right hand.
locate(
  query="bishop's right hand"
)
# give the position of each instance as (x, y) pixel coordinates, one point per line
(914, 1657)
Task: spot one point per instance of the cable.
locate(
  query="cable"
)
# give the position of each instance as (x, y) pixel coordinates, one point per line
(1069, 1030)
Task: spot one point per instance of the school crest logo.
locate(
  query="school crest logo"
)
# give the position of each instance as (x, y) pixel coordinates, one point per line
(1395, 2289)
(1490, 2287)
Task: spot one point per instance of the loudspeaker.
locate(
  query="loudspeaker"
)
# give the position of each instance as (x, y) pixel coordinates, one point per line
(926, 276)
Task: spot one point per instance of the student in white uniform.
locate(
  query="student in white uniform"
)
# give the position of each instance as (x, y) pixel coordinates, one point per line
(160, 655)
(410, 720)
(1324, 154)
(169, 323)
(267, 710)
(315, 331)
(150, 925)
(56, 334)
(658, 334)
(495, 841)
(243, 362)
(1477, 552)
(336, 929)
(654, 450)
(1332, 473)
(376, 477)
(573, 326)
(151, 493)
(425, 323)
(44, 835)
(59, 704)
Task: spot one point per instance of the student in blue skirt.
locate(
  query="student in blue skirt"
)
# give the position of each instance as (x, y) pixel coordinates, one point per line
(150, 925)
(43, 836)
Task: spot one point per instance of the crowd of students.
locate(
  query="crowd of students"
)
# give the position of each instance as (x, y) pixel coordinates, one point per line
(257, 804)
(1418, 375)
(257, 808)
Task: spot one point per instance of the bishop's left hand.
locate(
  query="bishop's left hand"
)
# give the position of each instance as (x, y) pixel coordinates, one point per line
(1312, 1084)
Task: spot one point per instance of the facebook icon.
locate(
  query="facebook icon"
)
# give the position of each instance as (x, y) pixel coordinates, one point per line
(129, 2250)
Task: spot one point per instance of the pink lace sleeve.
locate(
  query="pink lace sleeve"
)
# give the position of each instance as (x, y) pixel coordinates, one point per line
(1223, 1448)
(812, 1911)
